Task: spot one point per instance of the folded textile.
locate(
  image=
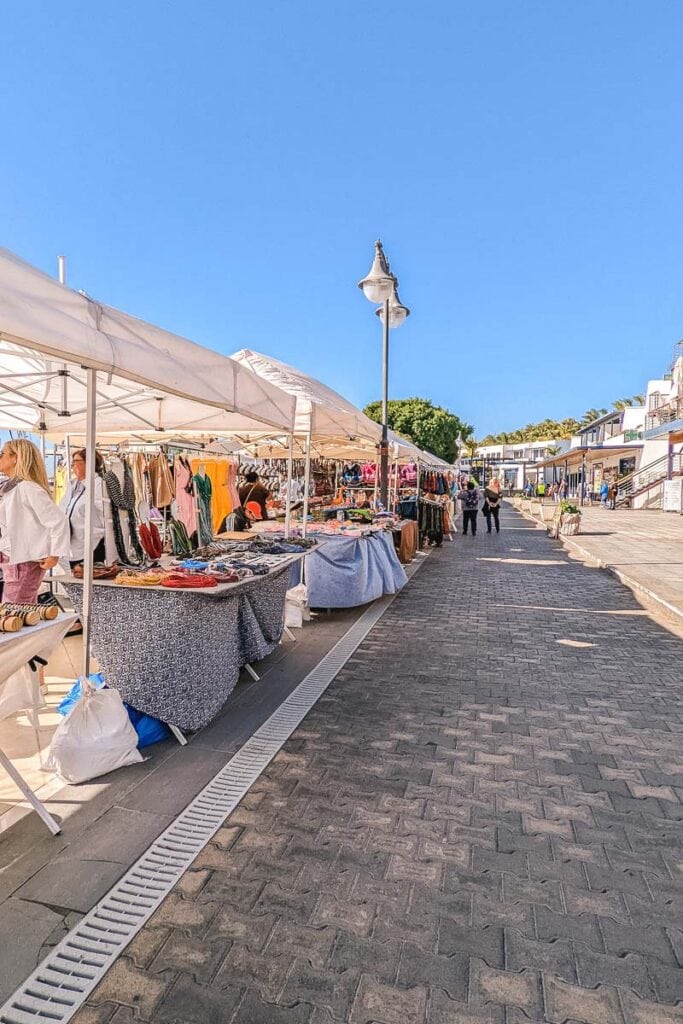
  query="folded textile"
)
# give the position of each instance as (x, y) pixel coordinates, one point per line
(188, 580)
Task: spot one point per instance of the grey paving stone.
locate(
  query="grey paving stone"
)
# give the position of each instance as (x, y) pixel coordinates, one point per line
(71, 883)
(24, 929)
(191, 1003)
(474, 824)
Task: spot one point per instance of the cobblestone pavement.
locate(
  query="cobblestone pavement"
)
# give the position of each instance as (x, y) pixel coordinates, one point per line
(477, 823)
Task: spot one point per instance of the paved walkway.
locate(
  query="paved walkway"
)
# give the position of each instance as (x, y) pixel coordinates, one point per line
(645, 548)
(477, 823)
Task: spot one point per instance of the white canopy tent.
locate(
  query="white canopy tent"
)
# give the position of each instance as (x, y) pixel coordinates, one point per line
(320, 411)
(322, 415)
(64, 357)
(151, 380)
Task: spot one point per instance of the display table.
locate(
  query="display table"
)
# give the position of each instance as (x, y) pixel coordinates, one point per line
(177, 654)
(344, 572)
(20, 689)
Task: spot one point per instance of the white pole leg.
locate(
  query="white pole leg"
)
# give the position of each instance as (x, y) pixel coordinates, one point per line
(253, 674)
(35, 803)
(178, 735)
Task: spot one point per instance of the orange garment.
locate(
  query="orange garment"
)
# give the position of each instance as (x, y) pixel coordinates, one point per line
(217, 471)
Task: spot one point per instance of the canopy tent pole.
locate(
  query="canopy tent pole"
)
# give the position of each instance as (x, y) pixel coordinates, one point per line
(89, 517)
(288, 498)
(307, 477)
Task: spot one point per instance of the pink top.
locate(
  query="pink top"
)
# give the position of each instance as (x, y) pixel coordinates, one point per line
(187, 512)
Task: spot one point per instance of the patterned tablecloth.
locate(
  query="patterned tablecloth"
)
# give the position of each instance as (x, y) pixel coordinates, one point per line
(177, 654)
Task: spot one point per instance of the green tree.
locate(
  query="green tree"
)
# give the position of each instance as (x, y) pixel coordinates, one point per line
(429, 426)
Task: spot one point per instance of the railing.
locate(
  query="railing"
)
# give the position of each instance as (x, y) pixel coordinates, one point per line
(664, 414)
(645, 478)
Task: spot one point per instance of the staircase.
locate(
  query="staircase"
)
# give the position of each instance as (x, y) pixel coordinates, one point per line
(645, 480)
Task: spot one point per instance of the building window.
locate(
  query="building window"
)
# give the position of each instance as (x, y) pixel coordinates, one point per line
(518, 453)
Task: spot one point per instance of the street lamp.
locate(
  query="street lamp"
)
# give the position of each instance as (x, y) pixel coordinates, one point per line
(381, 286)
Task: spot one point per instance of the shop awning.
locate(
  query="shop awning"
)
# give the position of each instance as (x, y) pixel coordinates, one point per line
(150, 378)
(593, 453)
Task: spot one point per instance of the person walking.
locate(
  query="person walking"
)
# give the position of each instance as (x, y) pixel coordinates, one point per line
(73, 505)
(470, 506)
(34, 533)
(604, 493)
(612, 493)
(492, 503)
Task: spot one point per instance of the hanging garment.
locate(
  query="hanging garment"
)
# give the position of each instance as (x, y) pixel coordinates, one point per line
(204, 521)
(161, 481)
(232, 485)
(138, 469)
(216, 470)
(61, 482)
(185, 495)
(180, 542)
(122, 498)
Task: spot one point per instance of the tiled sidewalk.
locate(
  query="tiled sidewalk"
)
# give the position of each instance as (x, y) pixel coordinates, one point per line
(478, 822)
(645, 548)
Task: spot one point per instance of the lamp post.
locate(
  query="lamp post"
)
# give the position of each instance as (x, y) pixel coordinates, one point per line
(381, 287)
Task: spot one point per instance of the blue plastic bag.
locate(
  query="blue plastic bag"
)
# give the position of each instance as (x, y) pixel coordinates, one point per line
(74, 694)
(150, 730)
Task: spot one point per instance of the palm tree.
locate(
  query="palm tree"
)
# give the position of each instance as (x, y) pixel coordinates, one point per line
(638, 400)
(590, 415)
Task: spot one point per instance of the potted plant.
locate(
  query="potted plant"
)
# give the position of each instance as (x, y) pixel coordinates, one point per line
(566, 521)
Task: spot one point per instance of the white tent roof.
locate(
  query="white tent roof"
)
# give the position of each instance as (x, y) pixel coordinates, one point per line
(151, 379)
(318, 408)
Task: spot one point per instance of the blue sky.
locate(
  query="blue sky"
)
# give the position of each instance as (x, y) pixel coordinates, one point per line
(224, 169)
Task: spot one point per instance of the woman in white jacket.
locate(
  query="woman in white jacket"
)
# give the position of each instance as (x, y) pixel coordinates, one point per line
(73, 506)
(34, 534)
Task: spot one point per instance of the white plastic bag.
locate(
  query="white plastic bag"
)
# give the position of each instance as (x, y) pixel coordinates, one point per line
(95, 738)
(20, 692)
(296, 607)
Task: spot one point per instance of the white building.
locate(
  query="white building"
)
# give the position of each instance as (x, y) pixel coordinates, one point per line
(640, 447)
(515, 464)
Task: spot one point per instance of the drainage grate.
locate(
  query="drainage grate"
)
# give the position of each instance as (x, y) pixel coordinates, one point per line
(65, 979)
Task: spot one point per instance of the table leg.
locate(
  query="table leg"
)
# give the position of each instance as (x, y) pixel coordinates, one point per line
(253, 674)
(35, 803)
(178, 735)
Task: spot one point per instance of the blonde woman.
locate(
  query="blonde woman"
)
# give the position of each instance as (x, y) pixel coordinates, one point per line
(492, 503)
(34, 534)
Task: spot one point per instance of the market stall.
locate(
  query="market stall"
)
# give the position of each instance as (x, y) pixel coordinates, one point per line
(69, 363)
(177, 654)
(347, 571)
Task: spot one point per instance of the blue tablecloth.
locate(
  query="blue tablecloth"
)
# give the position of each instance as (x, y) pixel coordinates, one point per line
(348, 571)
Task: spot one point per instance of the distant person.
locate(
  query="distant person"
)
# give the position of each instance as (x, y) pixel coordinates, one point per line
(492, 503)
(540, 489)
(613, 493)
(470, 506)
(563, 489)
(253, 496)
(604, 493)
(528, 488)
